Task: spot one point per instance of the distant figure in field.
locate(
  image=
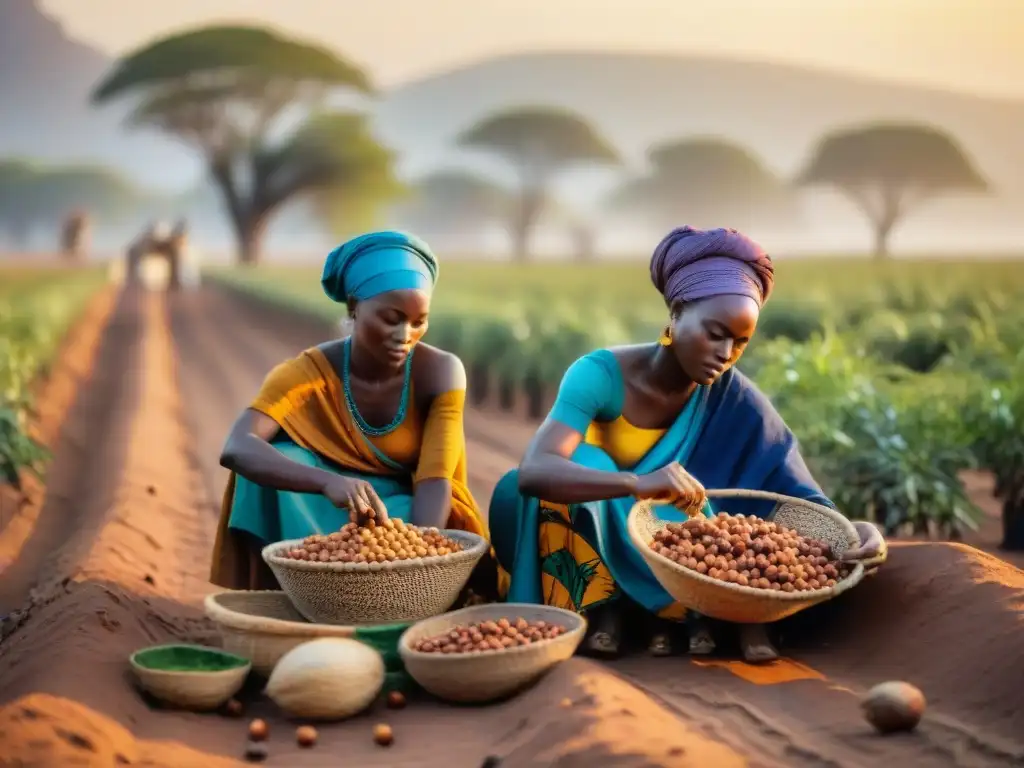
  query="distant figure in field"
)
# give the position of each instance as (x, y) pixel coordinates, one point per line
(184, 258)
(74, 235)
(160, 257)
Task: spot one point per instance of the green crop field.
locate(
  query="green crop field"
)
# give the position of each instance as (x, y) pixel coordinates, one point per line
(37, 306)
(895, 376)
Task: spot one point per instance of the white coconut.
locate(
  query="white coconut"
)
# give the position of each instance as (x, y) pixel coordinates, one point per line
(327, 679)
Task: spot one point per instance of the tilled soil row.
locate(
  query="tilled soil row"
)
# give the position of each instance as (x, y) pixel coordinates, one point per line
(56, 397)
(123, 568)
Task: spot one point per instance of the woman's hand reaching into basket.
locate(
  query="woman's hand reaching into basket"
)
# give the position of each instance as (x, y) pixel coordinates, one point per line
(872, 550)
(672, 485)
(358, 496)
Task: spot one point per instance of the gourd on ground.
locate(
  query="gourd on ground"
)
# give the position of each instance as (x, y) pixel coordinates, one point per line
(327, 679)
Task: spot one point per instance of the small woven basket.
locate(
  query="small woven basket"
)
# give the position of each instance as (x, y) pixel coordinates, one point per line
(198, 690)
(263, 625)
(483, 676)
(735, 603)
(357, 594)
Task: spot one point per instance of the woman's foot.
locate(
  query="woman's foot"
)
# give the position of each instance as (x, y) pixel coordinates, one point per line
(604, 633)
(755, 645)
(702, 641)
(664, 638)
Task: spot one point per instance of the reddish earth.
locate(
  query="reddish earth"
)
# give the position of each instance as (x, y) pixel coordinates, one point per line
(114, 556)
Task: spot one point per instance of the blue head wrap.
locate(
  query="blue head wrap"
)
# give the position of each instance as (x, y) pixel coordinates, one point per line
(376, 263)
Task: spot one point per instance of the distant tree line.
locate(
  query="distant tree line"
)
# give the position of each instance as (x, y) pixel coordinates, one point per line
(34, 196)
(228, 91)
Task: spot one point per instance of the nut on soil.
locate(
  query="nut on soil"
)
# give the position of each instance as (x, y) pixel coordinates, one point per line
(258, 730)
(893, 706)
(305, 735)
(233, 708)
(383, 735)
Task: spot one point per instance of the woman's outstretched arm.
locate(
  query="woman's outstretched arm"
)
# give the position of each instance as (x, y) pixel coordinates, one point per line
(547, 471)
(248, 452)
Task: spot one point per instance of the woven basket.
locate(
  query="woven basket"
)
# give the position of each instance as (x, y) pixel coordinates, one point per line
(483, 676)
(197, 691)
(357, 594)
(263, 626)
(732, 602)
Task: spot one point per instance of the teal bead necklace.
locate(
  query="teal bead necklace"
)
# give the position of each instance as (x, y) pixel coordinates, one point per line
(403, 402)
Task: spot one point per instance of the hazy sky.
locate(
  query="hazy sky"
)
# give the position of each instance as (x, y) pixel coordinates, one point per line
(969, 45)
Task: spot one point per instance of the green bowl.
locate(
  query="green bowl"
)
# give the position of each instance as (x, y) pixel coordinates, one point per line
(190, 676)
(187, 658)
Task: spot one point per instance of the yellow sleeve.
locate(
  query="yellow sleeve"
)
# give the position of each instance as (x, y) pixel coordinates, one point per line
(287, 388)
(444, 439)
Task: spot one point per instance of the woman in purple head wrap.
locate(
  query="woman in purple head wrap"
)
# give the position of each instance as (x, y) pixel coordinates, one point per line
(658, 421)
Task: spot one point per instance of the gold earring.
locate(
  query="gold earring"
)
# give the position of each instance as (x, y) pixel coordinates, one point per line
(666, 337)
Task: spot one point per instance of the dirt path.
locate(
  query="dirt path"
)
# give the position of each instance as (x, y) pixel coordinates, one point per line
(23, 539)
(799, 712)
(117, 565)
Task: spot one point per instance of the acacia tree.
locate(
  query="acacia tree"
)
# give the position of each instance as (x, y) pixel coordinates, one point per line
(702, 181)
(226, 91)
(539, 143)
(888, 170)
(454, 202)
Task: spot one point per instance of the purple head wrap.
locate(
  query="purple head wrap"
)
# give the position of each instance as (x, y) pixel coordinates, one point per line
(691, 264)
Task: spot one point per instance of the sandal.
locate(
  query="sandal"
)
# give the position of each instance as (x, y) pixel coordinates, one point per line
(757, 648)
(702, 640)
(604, 635)
(664, 639)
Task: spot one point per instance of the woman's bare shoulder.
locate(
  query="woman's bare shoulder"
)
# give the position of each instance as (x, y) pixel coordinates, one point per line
(436, 371)
(629, 355)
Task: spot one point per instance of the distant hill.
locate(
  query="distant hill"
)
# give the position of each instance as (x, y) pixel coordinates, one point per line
(636, 99)
(45, 81)
(780, 111)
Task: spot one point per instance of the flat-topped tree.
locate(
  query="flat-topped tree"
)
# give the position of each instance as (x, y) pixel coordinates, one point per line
(703, 181)
(225, 90)
(539, 143)
(454, 202)
(887, 170)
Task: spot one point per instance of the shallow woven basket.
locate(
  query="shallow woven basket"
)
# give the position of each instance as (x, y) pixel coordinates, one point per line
(196, 691)
(747, 605)
(356, 594)
(483, 676)
(263, 626)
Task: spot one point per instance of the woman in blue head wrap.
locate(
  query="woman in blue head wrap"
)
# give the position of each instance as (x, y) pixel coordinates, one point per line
(369, 425)
(658, 421)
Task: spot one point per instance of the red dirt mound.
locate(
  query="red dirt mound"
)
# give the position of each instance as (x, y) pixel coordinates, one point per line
(946, 617)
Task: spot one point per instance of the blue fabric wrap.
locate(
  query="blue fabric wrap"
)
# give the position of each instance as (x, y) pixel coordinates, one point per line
(271, 515)
(376, 263)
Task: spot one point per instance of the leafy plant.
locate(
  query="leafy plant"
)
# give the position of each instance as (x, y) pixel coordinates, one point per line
(35, 313)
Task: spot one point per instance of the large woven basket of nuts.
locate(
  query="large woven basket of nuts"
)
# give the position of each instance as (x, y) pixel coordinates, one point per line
(748, 570)
(379, 574)
(488, 652)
